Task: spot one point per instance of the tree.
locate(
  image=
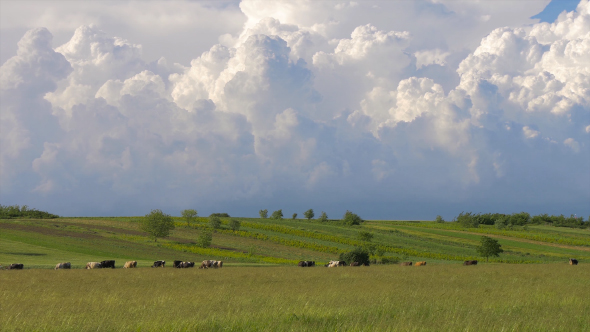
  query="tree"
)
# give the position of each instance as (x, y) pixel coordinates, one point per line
(221, 215)
(309, 214)
(157, 224)
(489, 247)
(263, 213)
(365, 236)
(235, 225)
(294, 216)
(467, 220)
(352, 218)
(439, 219)
(323, 217)
(204, 240)
(188, 215)
(356, 255)
(215, 222)
(278, 214)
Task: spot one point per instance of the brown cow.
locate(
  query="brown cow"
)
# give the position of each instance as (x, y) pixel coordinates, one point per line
(470, 263)
(420, 263)
(206, 264)
(130, 264)
(93, 265)
(63, 266)
(355, 264)
(573, 261)
(406, 264)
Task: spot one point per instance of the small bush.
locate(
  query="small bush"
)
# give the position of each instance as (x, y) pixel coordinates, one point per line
(365, 236)
(234, 225)
(352, 219)
(439, 219)
(214, 222)
(323, 217)
(309, 214)
(294, 216)
(204, 240)
(356, 255)
(467, 220)
(263, 213)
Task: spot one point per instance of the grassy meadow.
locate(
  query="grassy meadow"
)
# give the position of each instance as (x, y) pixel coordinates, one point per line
(530, 287)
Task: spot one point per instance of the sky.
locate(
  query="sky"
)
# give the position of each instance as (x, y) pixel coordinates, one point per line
(389, 109)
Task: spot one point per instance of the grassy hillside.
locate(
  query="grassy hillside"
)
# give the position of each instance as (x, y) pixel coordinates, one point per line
(45, 242)
(443, 297)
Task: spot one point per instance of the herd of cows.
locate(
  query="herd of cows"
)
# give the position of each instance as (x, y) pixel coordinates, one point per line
(206, 264)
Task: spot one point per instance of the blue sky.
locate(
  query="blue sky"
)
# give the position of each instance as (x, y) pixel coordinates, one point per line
(393, 110)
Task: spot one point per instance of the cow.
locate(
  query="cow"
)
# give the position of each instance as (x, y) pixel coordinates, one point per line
(335, 264)
(206, 264)
(185, 265)
(63, 266)
(573, 261)
(470, 263)
(420, 263)
(355, 264)
(406, 264)
(16, 266)
(159, 264)
(219, 264)
(93, 265)
(176, 264)
(130, 264)
(106, 264)
(306, 263)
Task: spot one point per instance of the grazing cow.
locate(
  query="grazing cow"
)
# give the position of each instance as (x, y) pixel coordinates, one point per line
(420, 264)
(16, 266)
(159, 264)
(302, 264)
(219, 264)
(106, 264)
(206, 264)
(336, 264)
(355, 264)
(130, 264)
(185, 265)
(470, 263)
(93, 265)
(176, 264)
(63, 266)
(573, 261)
(406, 264)
(306, 263)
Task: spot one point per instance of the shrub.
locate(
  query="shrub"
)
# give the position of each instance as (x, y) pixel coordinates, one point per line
(263, 213)
(204, 240)
(356, 255)
(351, 218)
(278, 214)
(309, 214)
(365, 236)
(157, 224)
(467, 220)
(220, 215)
(214, 222)
(323, 217)
(234, 225)
(439, 219)
(294, 216)
(15, 211)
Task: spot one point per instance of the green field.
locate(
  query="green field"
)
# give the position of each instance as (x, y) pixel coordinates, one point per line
(530, 287)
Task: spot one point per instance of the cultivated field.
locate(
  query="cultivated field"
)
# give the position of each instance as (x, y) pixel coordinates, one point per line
(530, 287)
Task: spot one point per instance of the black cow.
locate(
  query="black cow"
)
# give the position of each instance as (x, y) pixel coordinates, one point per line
(306, 263)
(470, 263)
(176, 264)
(106, 264)
(573, 261)
(159, 264)
(15, 266)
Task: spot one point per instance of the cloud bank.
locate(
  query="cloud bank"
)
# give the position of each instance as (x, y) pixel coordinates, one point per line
(308, 107)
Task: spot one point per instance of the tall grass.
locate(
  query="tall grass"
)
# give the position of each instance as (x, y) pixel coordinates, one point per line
(493, 297)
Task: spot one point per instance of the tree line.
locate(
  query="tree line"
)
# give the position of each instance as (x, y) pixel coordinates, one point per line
(509, 221)
(349, 218)
(16, 211)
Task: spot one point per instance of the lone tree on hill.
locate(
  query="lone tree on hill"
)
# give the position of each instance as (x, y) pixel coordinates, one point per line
(489, 247)
(157, 224)
(309, 214)
(263, 213)
(278, 214)
(189, 215)
(294, 216)
(323, 217)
